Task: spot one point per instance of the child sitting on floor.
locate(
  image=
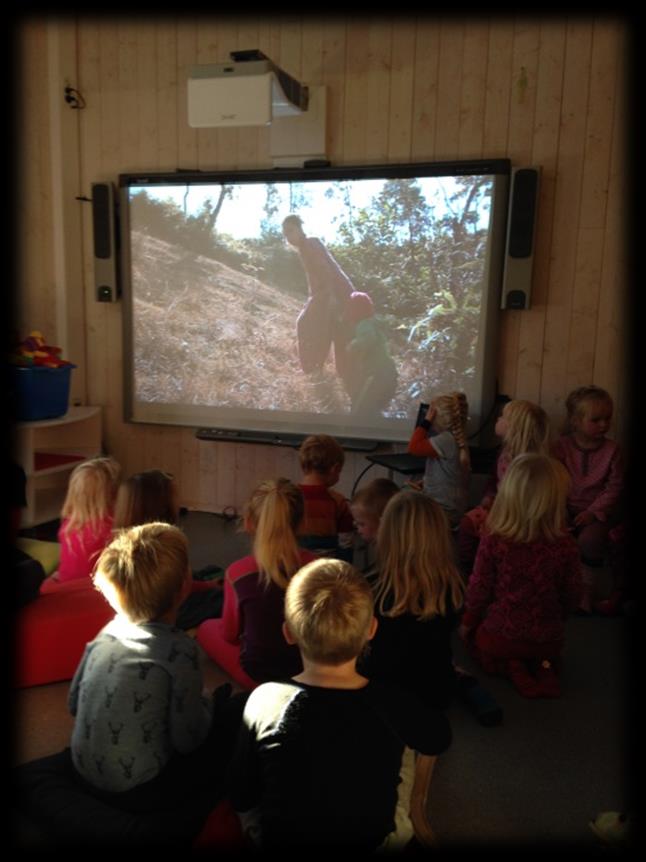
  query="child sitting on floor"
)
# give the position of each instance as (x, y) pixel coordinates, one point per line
(319, 756)
(247, 641)
(441, 439)
(523, 427)
(144, 497)
(87, 519)
(526, 578)
(152, 495)
(418, 594)
(596, 469)
(367, 506)
(145, 737)
(327, 526)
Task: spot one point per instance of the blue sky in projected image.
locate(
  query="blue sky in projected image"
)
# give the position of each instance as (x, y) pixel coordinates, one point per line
(241, 215)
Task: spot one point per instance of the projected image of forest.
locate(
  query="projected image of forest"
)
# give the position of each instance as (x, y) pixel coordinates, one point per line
(218, 290)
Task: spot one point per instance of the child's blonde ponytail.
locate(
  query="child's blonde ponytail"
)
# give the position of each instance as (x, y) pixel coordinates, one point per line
(528, 429)
(273, 514)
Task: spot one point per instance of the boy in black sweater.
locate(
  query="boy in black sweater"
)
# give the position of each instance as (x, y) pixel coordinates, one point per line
(319, 756)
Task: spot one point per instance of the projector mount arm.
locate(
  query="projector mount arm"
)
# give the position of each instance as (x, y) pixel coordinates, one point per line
(297, 93)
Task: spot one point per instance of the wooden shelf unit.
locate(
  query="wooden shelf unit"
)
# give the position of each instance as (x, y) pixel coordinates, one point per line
(48, 451)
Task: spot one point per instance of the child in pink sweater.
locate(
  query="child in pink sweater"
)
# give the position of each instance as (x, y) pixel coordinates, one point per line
(596, 470)
(87, 519)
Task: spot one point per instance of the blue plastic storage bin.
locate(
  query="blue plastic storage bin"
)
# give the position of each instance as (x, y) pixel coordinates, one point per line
(41, 393)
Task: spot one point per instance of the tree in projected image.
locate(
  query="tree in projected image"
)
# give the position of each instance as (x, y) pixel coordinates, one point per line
(423, 265)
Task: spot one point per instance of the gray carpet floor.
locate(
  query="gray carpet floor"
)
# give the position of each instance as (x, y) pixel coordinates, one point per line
(537, 779)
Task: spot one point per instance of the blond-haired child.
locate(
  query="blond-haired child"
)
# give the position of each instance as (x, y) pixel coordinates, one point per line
(326, 527)
(448, 462)
(319, 756)
(526, 578)
(144, 497)
(522, 426)
(418, 594)
(145, 737)
(247, 640)
(87, 519)
(595, 465)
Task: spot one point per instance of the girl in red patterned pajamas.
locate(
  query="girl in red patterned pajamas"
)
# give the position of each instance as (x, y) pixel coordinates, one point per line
(526, 578)
(523, 427)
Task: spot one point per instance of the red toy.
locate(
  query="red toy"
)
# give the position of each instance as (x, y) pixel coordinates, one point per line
(34, 351)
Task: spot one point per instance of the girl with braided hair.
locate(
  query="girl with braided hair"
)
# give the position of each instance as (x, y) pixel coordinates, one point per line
(441, 439)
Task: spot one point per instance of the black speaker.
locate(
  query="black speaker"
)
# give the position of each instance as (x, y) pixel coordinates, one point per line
(105, 234)
(521, 235)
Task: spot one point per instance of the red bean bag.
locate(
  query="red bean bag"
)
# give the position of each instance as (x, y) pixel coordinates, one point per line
(52, 631)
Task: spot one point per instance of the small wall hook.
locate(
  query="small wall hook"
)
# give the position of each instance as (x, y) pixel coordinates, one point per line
(73, 98)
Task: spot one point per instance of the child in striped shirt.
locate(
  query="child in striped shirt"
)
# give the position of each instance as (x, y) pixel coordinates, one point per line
(327, 525)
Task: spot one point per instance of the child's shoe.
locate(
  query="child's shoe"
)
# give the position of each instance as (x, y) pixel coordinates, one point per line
(522, 679)
(612, 606)
(477, 700)
(548, 681)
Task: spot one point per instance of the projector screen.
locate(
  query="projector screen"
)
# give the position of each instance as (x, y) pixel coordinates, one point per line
(317, 300)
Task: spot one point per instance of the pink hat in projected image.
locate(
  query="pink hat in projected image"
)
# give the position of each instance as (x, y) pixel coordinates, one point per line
(358, 307)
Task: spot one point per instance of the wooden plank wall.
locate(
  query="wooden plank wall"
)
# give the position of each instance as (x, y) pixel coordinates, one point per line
(547, 91)
(34, 293)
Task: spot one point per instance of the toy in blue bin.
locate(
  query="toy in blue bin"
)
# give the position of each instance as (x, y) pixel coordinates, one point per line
(40, 379)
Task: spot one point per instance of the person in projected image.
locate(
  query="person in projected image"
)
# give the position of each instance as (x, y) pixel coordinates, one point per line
(321, 321)
(369, 372)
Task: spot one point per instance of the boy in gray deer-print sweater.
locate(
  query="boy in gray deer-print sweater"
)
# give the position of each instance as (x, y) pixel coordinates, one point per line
(137, 698)
(137, 693)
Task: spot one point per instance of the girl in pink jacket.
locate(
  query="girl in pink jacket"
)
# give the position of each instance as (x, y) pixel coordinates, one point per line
(87, 519)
